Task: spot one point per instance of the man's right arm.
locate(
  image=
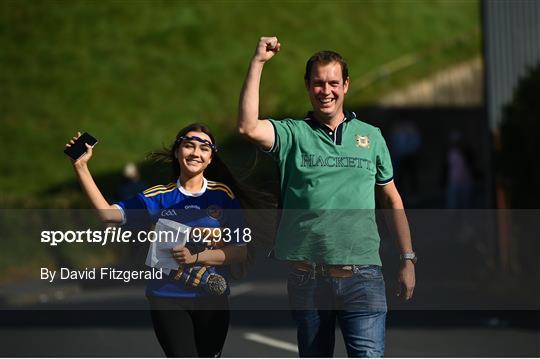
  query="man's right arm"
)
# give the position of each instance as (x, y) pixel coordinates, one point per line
(261, 132)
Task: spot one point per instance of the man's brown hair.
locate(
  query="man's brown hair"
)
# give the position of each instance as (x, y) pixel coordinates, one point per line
(324, 58)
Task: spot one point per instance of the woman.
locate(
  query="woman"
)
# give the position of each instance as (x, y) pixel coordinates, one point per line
(188, 320)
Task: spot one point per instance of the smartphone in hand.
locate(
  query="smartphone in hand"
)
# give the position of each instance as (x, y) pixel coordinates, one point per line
(78, 148)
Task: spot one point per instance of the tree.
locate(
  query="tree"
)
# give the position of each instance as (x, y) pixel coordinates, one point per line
(520, 143)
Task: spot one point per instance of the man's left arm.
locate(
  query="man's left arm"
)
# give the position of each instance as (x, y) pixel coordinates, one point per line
(390, 200)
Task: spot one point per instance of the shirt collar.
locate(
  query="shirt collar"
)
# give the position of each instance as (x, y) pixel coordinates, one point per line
(192, 194)
(349, 115)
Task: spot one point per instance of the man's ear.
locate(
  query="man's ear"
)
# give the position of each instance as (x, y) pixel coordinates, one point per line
(346, 85)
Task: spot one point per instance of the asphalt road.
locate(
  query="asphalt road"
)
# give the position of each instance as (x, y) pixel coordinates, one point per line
(129, 334)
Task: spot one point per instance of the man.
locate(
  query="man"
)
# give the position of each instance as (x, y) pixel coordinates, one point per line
(330, 164)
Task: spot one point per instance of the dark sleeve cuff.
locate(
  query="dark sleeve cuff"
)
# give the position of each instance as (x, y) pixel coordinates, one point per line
(384, 182)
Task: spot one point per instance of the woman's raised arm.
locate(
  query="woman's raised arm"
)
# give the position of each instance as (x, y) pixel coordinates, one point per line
(107, 212)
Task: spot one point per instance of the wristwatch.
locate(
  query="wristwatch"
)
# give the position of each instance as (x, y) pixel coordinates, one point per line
(409, 256)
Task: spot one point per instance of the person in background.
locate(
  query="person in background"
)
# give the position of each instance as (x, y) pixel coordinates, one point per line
(459, 173)
(132, 182)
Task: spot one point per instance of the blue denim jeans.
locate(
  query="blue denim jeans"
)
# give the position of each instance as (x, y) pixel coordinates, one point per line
(357, 302)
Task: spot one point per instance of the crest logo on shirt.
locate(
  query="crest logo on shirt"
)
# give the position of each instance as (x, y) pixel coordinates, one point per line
(362, 141)
(215, 212)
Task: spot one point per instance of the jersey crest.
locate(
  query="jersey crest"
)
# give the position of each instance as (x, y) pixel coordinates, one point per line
(215, 212)
(362, 141)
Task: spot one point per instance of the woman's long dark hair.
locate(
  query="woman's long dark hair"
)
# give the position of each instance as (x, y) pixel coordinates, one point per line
(262, 223)
(217, 171)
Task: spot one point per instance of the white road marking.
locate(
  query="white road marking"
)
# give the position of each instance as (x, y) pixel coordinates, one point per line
(240, 289)
(262, 339)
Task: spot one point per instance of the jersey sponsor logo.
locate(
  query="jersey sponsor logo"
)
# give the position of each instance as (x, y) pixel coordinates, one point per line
(168, 213)
(362, 141)
(192, 206)
(311, 160)
(215, 212)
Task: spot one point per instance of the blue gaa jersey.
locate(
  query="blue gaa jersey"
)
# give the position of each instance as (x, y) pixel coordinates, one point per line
(213, 206)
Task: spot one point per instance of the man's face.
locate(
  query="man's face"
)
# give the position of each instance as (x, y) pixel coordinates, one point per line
(327, 90)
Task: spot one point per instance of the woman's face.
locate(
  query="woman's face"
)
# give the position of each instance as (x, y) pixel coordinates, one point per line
(194, 156)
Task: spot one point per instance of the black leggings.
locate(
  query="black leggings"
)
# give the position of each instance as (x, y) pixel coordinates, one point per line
(190, 327)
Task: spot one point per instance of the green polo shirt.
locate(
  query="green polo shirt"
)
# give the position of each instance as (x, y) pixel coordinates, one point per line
(328, 181)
